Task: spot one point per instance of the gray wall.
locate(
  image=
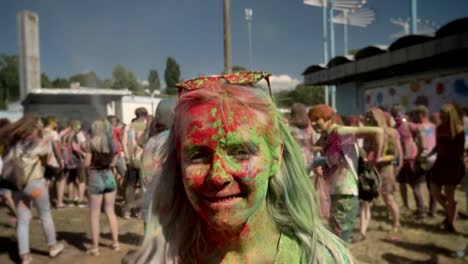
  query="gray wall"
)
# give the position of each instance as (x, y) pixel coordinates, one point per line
(349, 99)
(64, 112)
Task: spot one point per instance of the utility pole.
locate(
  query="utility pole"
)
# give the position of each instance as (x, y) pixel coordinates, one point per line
(227, 37)
(414, 17)
(248, 18)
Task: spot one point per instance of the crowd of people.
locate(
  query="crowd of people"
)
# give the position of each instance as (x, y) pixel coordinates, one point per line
(221, 175)
(415, 148)
(59, 167)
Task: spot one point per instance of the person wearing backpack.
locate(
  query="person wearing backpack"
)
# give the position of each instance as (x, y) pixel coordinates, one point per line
(55, 163)
(27, 153)
(385, 166)
(73, 141)
(133, 154)
(339, 148)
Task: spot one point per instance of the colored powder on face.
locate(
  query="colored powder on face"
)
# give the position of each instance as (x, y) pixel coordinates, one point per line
(213, 112)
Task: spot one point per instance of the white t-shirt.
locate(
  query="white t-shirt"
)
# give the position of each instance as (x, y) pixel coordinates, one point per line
(50, 136)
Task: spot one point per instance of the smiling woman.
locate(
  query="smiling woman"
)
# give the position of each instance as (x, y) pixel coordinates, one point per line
(233, 187)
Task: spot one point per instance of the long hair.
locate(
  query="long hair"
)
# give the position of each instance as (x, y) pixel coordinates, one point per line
(174, 228)
(452, 124)
(20, 130)
(101, 137)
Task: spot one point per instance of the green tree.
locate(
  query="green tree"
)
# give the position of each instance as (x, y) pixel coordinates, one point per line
(123, 78)
(61, 83)
(87, 79)
(171, 75)
(45, 82)
(9, 79)
(133, 84)
(308, 95)
(119, 77)
(237, 68)
(153, 80)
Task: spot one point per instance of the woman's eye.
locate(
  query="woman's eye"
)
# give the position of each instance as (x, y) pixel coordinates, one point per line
(198, 157)
(241, 153)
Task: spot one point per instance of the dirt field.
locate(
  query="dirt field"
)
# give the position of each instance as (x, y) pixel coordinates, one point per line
(420, 242)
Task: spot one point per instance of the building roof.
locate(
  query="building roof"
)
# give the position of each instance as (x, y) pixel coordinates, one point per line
(408, 54)
(82, 91)
(73, 95)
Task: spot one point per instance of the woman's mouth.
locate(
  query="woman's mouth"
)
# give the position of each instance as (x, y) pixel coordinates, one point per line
(224, 200)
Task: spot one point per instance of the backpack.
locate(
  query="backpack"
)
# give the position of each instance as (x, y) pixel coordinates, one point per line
(135, 152)
(369, 181)
(17, 172)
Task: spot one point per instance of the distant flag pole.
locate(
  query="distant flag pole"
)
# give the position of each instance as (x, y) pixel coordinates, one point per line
(323, 4)
(414, 17)
(328, 7)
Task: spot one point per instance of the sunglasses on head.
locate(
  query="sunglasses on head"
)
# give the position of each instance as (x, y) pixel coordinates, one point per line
(238, 78)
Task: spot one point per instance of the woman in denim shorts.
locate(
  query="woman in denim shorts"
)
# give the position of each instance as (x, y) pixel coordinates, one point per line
(101, 183)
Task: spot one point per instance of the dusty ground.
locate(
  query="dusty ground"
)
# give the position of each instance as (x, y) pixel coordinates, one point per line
(421, 242)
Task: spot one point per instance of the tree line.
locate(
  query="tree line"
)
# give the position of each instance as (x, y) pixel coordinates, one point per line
(124, 78)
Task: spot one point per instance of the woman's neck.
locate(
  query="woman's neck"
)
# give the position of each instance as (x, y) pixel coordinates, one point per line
(258, 234)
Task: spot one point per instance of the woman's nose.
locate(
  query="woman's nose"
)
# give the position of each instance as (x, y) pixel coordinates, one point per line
(219, 176)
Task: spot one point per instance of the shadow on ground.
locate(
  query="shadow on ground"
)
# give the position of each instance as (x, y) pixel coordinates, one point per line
(392, 258)
(127, 238)
(421, 248)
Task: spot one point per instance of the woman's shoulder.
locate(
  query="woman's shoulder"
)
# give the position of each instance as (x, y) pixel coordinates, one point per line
(289, 250)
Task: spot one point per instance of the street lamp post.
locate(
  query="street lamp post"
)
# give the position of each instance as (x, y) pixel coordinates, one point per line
(249, 18)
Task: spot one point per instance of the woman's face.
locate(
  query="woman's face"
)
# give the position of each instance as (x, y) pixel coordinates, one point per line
(320, 126)
(226, 163)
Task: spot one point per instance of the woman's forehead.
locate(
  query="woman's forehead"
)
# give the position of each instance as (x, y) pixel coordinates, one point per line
(213, 121)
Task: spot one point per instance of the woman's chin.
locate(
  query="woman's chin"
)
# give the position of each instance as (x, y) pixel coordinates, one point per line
(226, 224)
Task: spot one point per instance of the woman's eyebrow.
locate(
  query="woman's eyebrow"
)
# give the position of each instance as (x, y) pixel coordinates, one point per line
(250, 145)
(191, 148)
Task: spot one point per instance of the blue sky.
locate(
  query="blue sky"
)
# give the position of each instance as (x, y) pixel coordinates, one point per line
(78, 36)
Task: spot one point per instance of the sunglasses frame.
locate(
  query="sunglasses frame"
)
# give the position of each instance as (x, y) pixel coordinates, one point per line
(238, 78)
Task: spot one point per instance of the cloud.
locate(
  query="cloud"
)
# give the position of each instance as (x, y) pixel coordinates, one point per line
(283, 83)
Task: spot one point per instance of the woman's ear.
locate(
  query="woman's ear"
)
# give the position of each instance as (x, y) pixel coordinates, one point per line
(277, 158)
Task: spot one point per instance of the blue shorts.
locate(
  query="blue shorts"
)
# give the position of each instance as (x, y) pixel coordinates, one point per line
(101, 182)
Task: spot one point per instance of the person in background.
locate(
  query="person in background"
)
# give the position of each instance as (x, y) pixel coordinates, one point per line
(101, 183)
(391, 152)
(152, 158)
(73, 141)
(407, 173)
(133, 154)
(319, 166)
(465, 128)
(339, 148)
(120, 166)
(27, 152)
(426, 143)
(5, 192)
(55, 163)
(301, 131)
(448, 169)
